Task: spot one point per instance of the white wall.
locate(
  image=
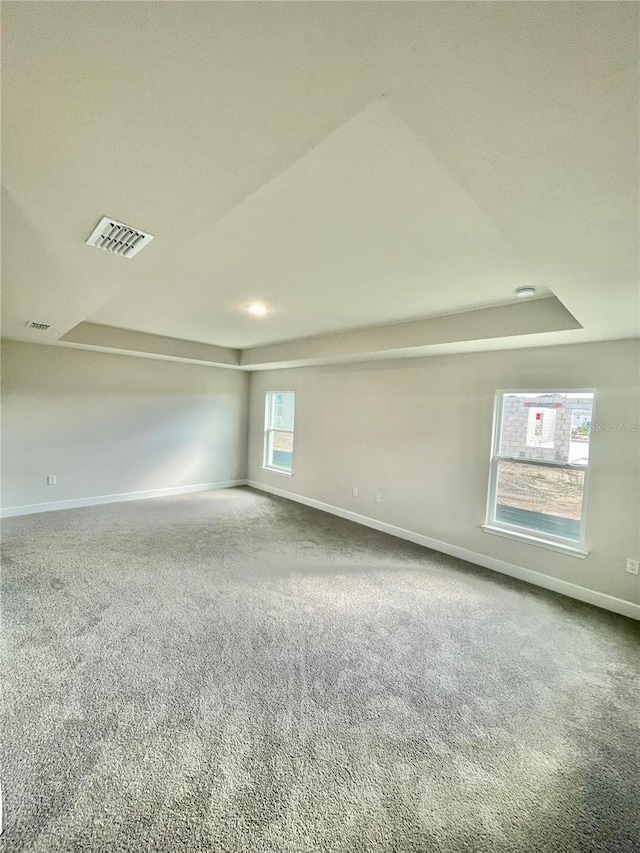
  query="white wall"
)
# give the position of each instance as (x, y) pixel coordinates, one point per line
(419, 432)
(109, 424)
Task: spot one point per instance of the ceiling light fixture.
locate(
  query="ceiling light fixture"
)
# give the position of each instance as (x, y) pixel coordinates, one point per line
(257, 309)
(525, 292)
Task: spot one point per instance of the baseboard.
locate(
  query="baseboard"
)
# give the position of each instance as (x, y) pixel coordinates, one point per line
(29, 509)
(581, 593)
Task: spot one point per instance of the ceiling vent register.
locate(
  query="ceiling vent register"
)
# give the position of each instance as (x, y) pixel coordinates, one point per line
(118, 238)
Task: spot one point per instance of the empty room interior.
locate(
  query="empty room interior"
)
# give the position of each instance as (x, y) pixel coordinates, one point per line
(320, 419)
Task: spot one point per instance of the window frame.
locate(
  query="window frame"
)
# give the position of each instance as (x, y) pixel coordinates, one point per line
(576, 548)
(268, 430)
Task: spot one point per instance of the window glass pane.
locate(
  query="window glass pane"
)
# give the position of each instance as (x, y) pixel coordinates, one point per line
(550, 427)
(279, 430)
(283, 404)
(540, 498)
(281, 450)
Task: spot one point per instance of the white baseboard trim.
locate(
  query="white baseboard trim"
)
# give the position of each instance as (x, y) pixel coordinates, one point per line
(581, 593)
(29, 509)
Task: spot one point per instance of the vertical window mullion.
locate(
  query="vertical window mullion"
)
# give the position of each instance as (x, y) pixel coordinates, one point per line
(493, 489)
(495, 450)
(266, 460)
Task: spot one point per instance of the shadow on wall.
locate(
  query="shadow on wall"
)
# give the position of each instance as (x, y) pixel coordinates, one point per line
(108, 424)
(157, 447)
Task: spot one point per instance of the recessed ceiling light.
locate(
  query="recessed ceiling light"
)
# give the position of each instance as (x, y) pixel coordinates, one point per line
(524, 292)
(257, 309)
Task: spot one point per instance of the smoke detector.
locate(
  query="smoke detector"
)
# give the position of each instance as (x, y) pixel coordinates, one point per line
(525, 292)
(40, 326)
(118, 238)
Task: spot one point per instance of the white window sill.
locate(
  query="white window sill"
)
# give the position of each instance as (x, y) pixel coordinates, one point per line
(277, 471)
(571, 550)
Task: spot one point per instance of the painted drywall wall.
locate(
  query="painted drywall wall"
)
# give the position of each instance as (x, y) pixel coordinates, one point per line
(418, 432)
(107, 424)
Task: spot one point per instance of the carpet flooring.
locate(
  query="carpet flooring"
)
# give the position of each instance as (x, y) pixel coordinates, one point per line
(228, 671)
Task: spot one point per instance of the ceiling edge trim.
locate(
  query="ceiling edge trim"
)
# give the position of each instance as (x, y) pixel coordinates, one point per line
(112, 338)
(506, 321)
(411, 339)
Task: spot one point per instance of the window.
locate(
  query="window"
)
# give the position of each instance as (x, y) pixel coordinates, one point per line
(539, 467)
(278, 432)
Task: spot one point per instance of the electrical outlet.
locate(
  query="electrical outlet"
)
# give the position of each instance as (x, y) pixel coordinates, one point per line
(51, 480)
(355, 491)
(378, 498)
(633, 566)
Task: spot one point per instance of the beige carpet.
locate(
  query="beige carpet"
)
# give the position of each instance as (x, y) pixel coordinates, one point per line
(228, 671)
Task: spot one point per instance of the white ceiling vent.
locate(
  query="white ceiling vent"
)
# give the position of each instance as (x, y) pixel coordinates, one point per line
(40, 326)
(116, 237)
